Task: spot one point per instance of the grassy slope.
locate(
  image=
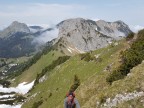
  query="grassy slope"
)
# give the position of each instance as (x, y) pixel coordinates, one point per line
(30, 74)
(59, 82)
(96, 88)
(14, 61)
(135, 81)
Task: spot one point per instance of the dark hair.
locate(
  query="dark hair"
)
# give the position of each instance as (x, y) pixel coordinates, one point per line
(71, 93)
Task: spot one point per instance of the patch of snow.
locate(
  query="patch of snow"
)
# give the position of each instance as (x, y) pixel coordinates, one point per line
(96, 29)
(7, 99)
(13, 79)
(22, 88)
(11, 65)
(80, 50)
(115, 44)
(69, 50)
(97, 56)
(110, 42)
(6, 96)
(10, 106)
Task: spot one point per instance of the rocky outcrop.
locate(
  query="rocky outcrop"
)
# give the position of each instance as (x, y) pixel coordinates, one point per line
(120, 98)
(89, 35)
(115, 29)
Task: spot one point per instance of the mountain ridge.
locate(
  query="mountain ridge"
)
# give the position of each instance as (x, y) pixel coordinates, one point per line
(89, 35)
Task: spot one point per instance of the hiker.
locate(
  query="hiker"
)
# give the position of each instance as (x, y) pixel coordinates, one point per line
(70, 101)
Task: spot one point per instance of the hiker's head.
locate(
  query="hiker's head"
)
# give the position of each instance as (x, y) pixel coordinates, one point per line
(71, 94)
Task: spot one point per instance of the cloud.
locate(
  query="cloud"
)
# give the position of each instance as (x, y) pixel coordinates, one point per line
(136, 28)
(46, 36)
(39, 13)
(96, 19)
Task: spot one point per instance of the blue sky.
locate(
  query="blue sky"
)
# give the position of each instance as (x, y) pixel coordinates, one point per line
(54, 11)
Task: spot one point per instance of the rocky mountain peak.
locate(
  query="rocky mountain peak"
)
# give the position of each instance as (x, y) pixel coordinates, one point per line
(19, 27)
(14, 28)
(15, 23)
(115, 29)
(88, 35)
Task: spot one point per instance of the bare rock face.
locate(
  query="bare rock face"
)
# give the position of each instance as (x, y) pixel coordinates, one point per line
(81, 35)
(115, 29)
(15, 27)
(87, 35)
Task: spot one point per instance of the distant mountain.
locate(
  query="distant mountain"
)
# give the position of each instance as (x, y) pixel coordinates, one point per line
(53, 73)
(35, 29)
(15, 27)
(115, 29)
(92, 70)
(81, 35)
(17, 39)
(86, 35)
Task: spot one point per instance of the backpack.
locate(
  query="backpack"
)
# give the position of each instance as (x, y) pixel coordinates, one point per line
(70, 100)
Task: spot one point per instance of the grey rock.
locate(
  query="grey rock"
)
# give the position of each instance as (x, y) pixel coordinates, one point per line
(115, 29)
(14, 28)
(120, 98)
(87, 35)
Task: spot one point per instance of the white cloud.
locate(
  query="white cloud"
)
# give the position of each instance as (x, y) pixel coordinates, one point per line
(136, 28)
(39, 13)
(96, 19)
(45, 26)
(46, 36)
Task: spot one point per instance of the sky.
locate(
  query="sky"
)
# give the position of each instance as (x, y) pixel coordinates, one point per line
(51, 12)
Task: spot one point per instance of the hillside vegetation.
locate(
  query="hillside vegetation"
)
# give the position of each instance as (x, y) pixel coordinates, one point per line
(30, 73)
(130, 58)
(108, 77)
(52, 90)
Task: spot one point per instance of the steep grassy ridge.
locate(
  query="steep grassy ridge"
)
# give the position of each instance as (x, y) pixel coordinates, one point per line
(31, 73)
(51, 92)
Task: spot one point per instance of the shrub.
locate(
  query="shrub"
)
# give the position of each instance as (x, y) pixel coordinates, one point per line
(55, 63)
(102, 98)
(50, 94)
(37, 104)
(24, 66)
(87, 57)
(76, 83)
(130, 36)
(114, 76)
(5, 83)
(130, 58)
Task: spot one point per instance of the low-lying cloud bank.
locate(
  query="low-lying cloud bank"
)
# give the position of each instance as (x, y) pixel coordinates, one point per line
(46, 36)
